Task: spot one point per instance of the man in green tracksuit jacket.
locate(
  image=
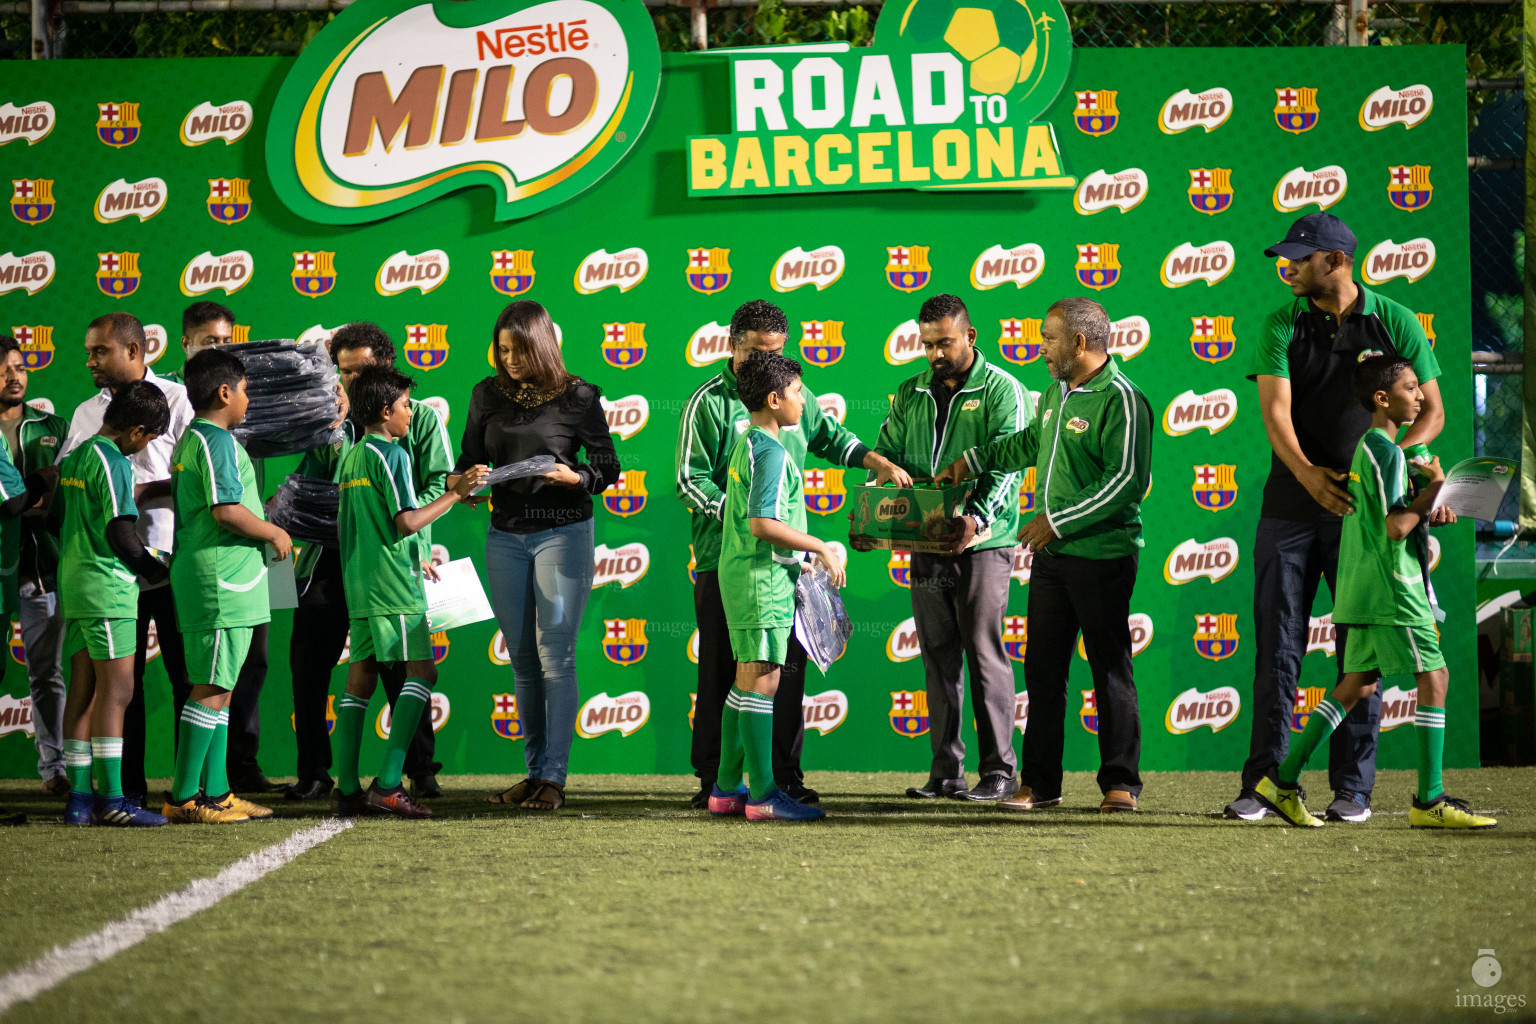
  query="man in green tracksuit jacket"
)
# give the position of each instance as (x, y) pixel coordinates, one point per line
(1091, 447)
(958, 599)
(711, 422)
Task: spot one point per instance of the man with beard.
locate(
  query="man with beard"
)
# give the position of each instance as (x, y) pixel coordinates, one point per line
(1091, 447)
(958, 598)
(114, 355)
(29, 561)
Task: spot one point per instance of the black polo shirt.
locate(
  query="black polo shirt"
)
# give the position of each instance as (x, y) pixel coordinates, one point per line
(1318, 354)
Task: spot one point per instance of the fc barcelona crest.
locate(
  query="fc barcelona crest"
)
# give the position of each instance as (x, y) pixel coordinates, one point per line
(1307, 700)
(1210, 189)
(1211, 337)
(426, 345)
(504, 717)
(623, 344)
(821, 341)
(906, 267)
(18, 647)
(117, 273)
(624, 640)
(439, 646)
(314, 273)
(1020, 341)
(229, 199)
(709, 270)
(1096, 113)
(1015, 636)
(1027, 492)
(1098, 265)
(512, 271)
(1296, 109)
(1280, 265)
(1215, 487)
(627, 495)
(32, 199)
(824, 491)
(1216, 636)
(900, 568)
(36, 342)
(1408, 187)
(909, 713)
(1427, 321)
(117, 124)
(1088, 714)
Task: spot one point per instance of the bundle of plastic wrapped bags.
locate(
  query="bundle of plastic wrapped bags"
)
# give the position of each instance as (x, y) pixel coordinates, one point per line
(292, 387)
(307, 507)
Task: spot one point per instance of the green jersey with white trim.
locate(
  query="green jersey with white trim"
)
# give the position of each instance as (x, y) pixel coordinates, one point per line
(380, 567)
(757, 579)
(1381, 582)
(218, 577)
(95, 487)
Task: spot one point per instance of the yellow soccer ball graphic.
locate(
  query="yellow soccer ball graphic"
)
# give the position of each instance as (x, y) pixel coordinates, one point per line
(997, 41)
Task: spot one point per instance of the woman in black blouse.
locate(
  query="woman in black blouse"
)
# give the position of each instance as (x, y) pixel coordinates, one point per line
(539, 550)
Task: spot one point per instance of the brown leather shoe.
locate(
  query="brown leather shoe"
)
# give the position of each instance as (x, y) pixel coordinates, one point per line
(1025, 800)
(1117, 800)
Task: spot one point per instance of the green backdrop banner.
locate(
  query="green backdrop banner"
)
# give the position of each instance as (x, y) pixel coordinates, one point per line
(134, 192)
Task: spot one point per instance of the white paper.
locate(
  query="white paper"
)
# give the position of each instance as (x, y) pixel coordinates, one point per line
(1475, 488)
(456, 597)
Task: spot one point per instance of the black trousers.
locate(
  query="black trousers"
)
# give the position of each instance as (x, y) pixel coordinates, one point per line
(319, 633)
(1289, 561)
(244, 707)
(717, 673)
(1067, 595)
(158, 606)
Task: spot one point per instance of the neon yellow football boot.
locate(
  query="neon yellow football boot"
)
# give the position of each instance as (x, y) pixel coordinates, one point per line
(1287, 803)
(1447, 812)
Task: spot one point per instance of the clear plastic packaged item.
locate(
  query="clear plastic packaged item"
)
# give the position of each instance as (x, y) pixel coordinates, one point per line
(538, 465)
(292, 387)
(821, 621)
(307, 509)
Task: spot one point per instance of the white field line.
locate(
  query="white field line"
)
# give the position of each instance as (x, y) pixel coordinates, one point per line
(63, 962)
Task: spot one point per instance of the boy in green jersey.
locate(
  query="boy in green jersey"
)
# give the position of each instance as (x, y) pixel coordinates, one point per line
(99, 557)
(219, 581)
(1383, 597)
(764, 533)
(383, 566)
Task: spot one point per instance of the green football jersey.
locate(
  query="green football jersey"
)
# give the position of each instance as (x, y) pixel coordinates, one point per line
(219, 578)
(11, 484)
(1380, 580)
(380, 567)
(95, 487)
(757, 579)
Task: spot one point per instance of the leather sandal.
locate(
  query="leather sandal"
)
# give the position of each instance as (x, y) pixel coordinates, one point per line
(515, 794)
(550, 794)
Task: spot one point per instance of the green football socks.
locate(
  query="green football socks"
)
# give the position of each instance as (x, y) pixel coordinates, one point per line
(415, 696)
(756, 726)
(216, 765)
(1430, 725)
(107, 765)
(731, 756)
(347, 741)
(195, 734)
(77, 765)
(1323, 720)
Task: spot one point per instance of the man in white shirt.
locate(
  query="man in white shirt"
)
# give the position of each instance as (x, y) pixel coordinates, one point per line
(114, 353)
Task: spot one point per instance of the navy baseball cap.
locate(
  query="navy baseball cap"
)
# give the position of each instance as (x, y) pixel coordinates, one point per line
(1313, 232)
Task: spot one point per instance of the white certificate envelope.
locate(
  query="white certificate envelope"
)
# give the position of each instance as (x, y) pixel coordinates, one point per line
(282, 589)
(456, 597)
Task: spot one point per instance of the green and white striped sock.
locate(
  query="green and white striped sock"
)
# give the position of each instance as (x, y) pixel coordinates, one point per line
(1430, 725)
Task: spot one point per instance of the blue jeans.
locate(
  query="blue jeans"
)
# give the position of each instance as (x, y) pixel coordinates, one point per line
(1289, 560)
(539, 584)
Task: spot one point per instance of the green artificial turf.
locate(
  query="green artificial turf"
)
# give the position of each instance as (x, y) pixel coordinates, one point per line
(627, 906)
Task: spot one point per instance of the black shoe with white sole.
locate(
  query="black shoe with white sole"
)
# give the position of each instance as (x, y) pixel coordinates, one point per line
(1247, 807)
(1349, 806)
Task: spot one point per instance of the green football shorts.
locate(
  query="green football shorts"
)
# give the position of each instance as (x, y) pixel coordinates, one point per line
(102, 639)
(1392, 650)
(763, 643)
(390, 638)
(215, 656)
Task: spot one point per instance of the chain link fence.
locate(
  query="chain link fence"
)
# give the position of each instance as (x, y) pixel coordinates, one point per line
(1490, 30)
